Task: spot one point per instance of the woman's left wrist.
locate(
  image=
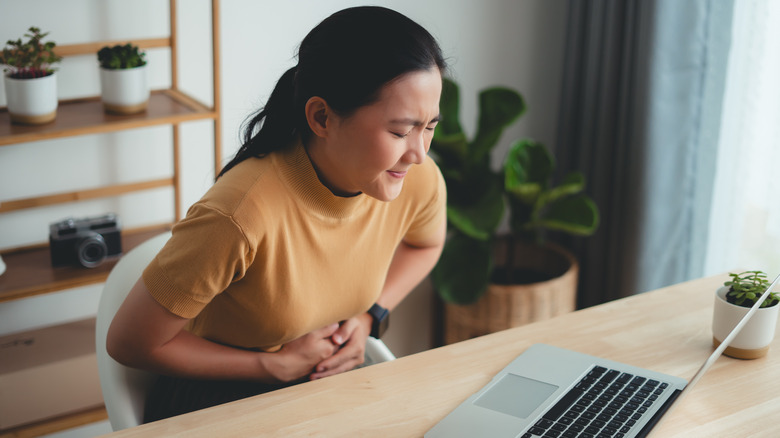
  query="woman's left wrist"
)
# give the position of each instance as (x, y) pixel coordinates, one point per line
(379, 319)
(366, 320)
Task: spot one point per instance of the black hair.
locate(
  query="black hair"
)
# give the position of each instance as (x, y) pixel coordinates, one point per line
(346, 60)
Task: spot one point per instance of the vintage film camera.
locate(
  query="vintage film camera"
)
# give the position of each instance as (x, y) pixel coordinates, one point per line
(87, 242)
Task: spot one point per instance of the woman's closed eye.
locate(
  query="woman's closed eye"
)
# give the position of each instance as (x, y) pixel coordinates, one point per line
(403, 135)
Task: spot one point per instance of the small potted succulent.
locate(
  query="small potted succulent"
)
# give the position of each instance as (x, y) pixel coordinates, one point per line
(30, 81)
(732, 301)
(124, 87)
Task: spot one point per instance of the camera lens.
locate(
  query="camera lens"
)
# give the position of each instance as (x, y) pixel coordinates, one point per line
(92, 251)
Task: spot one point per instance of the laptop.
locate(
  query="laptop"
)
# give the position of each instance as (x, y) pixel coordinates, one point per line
(553, 392)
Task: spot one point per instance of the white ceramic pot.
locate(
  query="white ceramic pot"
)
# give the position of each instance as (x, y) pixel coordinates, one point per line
(32, 101)
(755, 337)
(124, 91)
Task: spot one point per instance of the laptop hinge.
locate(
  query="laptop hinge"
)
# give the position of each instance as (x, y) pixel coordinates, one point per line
(661, 411)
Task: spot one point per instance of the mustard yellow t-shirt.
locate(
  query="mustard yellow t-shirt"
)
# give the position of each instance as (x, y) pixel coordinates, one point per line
(270, 254)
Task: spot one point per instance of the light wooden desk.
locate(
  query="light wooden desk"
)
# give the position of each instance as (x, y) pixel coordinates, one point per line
(667, 330)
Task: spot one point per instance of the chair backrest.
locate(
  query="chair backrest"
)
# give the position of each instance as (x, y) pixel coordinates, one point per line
(376, 352)
(124, 389)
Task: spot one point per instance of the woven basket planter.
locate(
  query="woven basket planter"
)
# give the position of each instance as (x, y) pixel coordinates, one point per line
(505, 306)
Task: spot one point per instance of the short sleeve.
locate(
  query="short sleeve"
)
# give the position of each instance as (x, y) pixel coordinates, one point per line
(433, 212)
(206, 252)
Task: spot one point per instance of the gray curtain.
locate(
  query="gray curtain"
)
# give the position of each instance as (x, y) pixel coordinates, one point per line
(640, 112)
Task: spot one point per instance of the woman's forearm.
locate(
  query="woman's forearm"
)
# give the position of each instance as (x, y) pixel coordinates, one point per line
(410, 265)
(145, 335)
(187, 355)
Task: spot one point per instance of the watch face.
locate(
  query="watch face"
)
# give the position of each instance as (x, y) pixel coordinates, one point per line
(381, 321)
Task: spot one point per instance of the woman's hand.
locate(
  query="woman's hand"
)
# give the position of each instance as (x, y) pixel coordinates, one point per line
(351, 337)
(298, 358)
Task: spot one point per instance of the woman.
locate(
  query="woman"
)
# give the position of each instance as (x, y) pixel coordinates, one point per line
(331, 208)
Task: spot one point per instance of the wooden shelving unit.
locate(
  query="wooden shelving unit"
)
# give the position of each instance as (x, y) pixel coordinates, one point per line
(29, 272)
(84, 117)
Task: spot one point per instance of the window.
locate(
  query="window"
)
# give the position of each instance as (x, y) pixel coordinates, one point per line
(745, 219)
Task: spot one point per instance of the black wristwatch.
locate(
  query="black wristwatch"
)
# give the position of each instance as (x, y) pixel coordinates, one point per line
(381, 317)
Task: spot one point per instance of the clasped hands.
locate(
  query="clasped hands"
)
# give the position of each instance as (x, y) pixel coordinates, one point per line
(324, 352)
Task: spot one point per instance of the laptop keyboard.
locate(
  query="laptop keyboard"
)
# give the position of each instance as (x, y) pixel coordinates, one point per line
(604, 403)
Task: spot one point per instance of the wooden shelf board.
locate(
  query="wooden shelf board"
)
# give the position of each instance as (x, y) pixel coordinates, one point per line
(82, 195)
(93, 47)
(29, 271)
(86, 116)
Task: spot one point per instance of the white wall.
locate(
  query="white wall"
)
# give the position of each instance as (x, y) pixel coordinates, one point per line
(497, 42)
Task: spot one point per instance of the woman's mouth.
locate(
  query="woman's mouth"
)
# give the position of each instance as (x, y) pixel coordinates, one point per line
(397, 174)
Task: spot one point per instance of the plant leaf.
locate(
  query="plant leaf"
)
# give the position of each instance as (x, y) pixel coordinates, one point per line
(463, 271)
(479, 219)
(577, 215)
(527, 170)
(451, 149)
(499, 107)
(449, 109)
(572, 184)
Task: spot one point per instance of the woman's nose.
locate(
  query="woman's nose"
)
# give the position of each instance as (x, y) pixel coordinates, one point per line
(417, 149)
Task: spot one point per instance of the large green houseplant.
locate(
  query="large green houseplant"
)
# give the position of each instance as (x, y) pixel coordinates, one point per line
(475, 204)
(478, 197)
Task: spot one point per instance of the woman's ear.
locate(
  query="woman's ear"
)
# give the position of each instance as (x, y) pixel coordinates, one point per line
(318, 114)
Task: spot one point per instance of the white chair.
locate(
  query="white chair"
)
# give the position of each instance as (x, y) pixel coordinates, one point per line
(124, 389)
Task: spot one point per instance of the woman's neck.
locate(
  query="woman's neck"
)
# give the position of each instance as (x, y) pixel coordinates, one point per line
(324, 167)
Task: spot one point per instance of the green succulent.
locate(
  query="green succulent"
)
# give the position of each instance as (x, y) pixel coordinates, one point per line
(747, 287)
(121, 57)
(29, 59)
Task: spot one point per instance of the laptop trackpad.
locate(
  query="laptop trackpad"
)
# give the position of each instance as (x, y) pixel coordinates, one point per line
(515, 395)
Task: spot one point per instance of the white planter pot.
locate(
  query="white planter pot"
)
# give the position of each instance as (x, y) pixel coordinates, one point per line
(124, 91)
(32, 101)
(755, 337)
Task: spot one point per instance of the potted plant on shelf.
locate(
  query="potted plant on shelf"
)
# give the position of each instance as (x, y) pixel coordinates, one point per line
(491, 281)
(30, 80)
(124, 87)
(732, 301)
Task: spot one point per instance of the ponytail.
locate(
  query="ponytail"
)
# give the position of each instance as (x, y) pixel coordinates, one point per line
(273, 127)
